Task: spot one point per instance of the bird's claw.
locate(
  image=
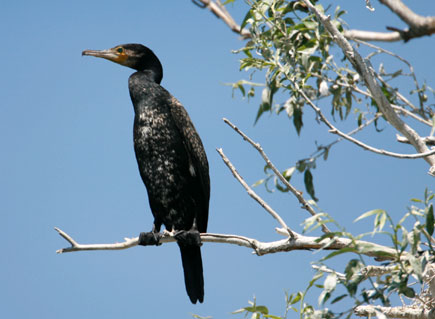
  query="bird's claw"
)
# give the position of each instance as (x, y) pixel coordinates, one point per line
(149, 239)
(188, 238)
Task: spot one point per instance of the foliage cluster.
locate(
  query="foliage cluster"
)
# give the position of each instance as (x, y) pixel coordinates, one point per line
(403, 273)
(294, 52)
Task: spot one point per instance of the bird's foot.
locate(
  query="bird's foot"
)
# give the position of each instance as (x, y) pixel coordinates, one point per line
(149, 239)
(188, 238)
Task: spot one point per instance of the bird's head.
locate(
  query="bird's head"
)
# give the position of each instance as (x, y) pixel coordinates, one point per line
(132, 55)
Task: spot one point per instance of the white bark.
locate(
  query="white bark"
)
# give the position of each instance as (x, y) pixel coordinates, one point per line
(394, 312)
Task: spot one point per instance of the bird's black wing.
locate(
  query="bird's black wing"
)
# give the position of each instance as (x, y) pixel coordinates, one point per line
(197, 159)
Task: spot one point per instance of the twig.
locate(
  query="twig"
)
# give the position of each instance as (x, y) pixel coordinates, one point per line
(411, 69)
(295, 192)
(409, 113)
(429, 140)
(254, 194)
(323, 268)
(394, 106)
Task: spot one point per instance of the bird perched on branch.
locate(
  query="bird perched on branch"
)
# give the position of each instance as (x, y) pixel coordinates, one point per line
(171, 159)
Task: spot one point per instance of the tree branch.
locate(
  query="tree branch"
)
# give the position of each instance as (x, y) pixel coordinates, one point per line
(254, 194)
(368, 75)
(300, 242)
(418, 25)
(429, 140)
(372, 35)
(335, 130)
(395, 312)
(218, 9)
(293, 190)
(411, 69)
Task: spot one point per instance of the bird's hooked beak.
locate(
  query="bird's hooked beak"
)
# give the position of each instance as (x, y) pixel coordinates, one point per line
(114, 54)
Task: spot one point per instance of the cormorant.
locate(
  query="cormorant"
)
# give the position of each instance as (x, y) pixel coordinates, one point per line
(171, 159)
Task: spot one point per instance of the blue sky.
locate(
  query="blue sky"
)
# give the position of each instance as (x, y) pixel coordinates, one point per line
(68, 161)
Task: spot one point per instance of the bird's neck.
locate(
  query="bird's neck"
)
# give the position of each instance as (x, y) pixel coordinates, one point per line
(143, 88)
(150, 75)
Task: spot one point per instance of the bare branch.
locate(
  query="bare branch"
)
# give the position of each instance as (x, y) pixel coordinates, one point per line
(254, 194)
(418, 25)
(373, 271)
(128, 242)
(372, 35)
(368, 75)
(394, 312)
(300, 242)
(410, 114)
(294, 191)
(221, 13)
(325, 269)
(429, 140)
(369, 271)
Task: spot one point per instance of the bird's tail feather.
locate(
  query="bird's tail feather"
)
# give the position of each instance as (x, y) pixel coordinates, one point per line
(193, 277)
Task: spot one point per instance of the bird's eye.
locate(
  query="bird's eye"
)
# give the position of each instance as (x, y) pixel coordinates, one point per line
(120, 50)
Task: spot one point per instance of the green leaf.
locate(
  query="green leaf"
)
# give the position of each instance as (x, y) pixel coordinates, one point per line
(408, 292)
(241, 88)
(310, 24)
(246, 19)
(314, 279)
(289, 172)
(261, 181)
(353, 267)
(265, 103)
(339, 252)
(417, 267)
(352, 288)
(308, 180)
(262, 309)
(308, 47)
(330, 282)
(338, 298)
(297, 119)
(325, 155)
(380, 220)
(297, 298)
(369, 213)
(360, 119)
(396, 74)
(324, 296)
(430, 220)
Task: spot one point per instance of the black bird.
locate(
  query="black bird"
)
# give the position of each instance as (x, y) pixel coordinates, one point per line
(171, 159)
